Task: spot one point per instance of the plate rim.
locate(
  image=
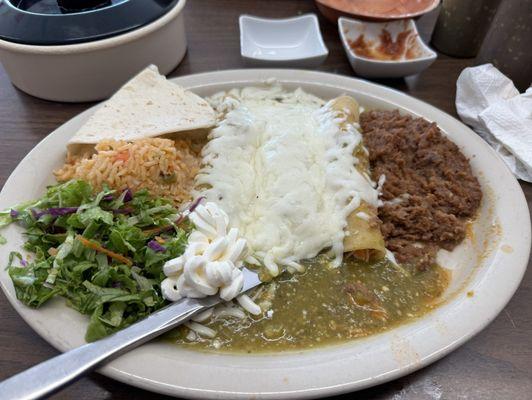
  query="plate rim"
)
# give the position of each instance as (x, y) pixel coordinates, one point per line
(293, 76)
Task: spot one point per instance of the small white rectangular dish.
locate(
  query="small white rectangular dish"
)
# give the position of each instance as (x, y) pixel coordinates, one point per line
(295, 42)
(384, 49)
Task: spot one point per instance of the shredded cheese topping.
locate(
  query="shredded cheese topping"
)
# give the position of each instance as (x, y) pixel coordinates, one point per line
(283, 170)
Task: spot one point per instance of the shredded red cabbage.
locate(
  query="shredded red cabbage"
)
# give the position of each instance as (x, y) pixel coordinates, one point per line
(14, 213)
(125, 210)
(60, 211)
(128, 196)
(155, 246)
(54, 211)
(195, 203)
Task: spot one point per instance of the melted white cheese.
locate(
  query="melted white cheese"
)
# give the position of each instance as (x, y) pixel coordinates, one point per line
(283, 171)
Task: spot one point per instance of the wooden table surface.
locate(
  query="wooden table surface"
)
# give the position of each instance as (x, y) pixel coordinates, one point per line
(496, 364)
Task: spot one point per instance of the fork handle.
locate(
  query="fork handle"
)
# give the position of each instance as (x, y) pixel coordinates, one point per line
(51, 375)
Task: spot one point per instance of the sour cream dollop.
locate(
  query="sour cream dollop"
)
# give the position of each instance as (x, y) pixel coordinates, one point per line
(212, 261)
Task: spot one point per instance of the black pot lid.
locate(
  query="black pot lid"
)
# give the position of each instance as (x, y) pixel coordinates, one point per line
(59, 22)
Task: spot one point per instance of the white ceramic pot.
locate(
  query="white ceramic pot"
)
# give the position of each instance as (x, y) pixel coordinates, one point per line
(94, 70)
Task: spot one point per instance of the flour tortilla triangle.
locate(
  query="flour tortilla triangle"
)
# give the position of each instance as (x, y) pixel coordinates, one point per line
(147, 106)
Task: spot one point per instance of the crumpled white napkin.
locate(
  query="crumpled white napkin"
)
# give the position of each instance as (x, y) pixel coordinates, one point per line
(489, 102)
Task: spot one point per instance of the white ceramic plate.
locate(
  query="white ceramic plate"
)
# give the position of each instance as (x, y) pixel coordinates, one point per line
(490, 266)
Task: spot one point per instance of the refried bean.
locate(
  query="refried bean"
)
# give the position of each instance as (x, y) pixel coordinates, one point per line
(429, 193)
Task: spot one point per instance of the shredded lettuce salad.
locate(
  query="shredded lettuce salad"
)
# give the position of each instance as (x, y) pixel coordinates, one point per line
(103, 253)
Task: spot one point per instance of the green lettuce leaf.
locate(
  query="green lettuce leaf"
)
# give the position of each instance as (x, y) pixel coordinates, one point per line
(112, 294)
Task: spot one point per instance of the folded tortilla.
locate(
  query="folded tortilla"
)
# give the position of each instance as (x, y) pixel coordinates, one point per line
(147, 106)
(363, 237)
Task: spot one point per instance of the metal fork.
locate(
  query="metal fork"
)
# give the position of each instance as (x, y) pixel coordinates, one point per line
(51, 375)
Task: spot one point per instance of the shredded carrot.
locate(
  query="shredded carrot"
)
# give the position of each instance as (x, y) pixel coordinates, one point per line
(123, 156)
(160, 229)
(155, 231)
(99, 248)
(160, 240)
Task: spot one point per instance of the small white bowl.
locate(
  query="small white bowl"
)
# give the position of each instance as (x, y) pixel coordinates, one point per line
(350, 31)
(294, 42)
